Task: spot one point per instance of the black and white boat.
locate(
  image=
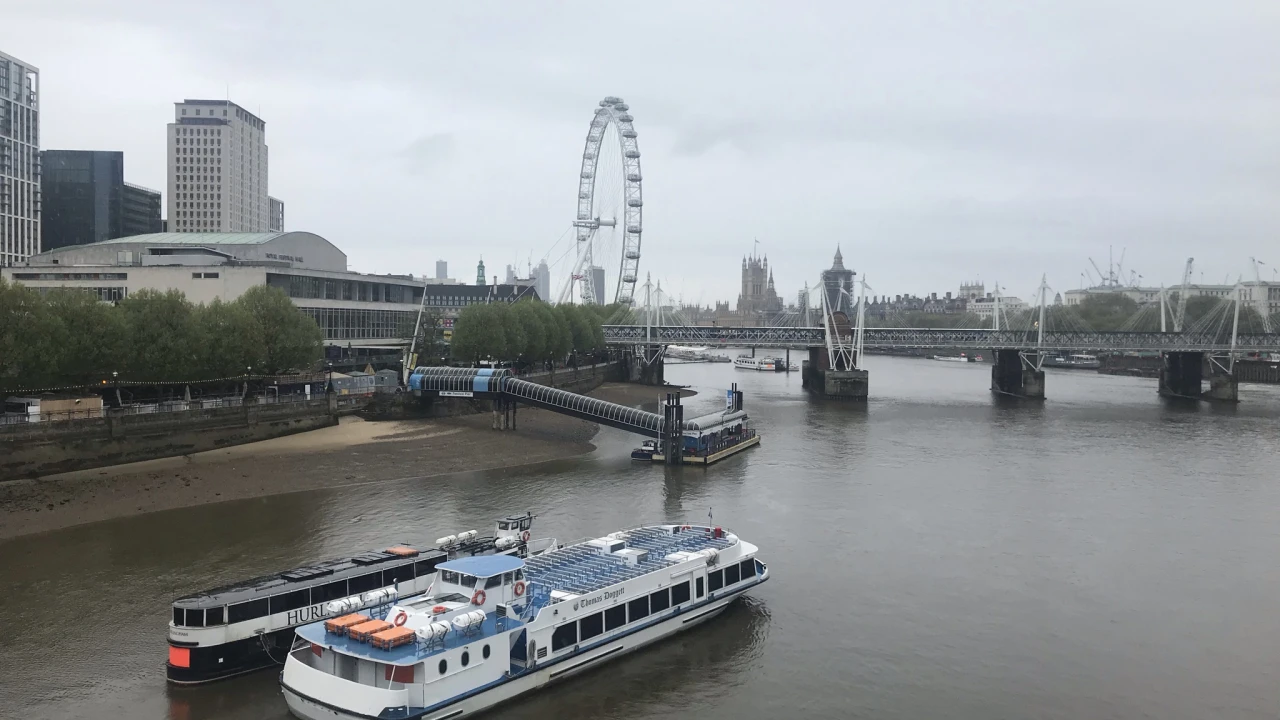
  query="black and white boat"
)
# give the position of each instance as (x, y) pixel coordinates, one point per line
(495, 628)
(249, 625)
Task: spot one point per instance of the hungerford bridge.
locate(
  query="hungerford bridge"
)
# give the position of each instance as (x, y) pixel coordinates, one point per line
(836, 347)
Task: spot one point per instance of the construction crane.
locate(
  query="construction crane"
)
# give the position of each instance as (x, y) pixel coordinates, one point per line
(1260, 291)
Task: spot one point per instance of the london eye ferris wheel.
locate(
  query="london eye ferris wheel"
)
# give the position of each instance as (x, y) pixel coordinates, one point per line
(608, 224)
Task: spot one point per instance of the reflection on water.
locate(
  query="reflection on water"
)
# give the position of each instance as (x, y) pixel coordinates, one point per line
(936, 552)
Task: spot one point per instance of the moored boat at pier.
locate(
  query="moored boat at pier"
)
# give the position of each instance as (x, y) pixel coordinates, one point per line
(497, 627)
(247, 626)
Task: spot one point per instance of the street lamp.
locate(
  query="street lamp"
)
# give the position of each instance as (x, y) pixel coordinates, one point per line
(115, 381)
(328, 388)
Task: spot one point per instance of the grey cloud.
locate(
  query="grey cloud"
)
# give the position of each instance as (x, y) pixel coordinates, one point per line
(426, 153)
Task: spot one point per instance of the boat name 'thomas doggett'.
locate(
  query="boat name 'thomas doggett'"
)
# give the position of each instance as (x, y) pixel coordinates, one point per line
(602, 597)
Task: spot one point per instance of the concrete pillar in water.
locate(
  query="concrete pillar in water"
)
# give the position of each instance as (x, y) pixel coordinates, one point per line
(1181, 374)
(818, 377)
(1223, 386)
(1011, 375)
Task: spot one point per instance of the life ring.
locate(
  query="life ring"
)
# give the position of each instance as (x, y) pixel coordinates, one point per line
(685, 527)
(478, 598)
(439, 609)
(524, 536)
(519, 588)
(401, 618)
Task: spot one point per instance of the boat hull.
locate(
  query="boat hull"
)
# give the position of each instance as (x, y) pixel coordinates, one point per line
(225, 660)
(308, 708)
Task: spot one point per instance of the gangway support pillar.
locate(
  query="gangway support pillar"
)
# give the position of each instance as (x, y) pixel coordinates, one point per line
(1181, 374)
(1011, 375)
(673, 430)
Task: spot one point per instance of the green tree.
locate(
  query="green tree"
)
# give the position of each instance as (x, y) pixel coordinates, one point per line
(163, 339)
(228, 340)
(514, 331)
(479, 333)
(286, 339)
(1106, 311)
(535, 332)
(583, 325)
(31, 338)
(94, 339)
(559, 338)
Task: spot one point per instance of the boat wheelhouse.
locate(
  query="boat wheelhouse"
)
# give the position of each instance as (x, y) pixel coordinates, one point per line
(496, 627)
(249, 625)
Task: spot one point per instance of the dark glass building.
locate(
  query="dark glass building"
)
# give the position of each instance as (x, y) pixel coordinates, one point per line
(141, 211)
(82, 196)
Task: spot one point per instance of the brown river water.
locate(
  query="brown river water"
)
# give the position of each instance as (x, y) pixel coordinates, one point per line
(935, 553)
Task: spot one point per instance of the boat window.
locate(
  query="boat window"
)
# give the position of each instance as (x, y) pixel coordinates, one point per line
(179, 616)
(506, 577)
(247, 610)
(680, 593)
(195, 618)
(213, 616)
(659, 601)
(519, 574)
(422, 568)
(493, 582)
(485, 652)
(731, 574)
(591, 626)
(364, 583)
(525, 523)
(564, 636)
(449, 576)
(466, 658)
(698, 586)
(290, 601)
(715, 580)
(401, 573)
(444, 666)
(615, 617)
(638, 608)
(748, 568)
(329, 591)
(503, 525)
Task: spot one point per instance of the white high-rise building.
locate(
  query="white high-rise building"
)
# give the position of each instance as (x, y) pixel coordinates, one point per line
(217, 169)
(19, 160)
(542, 281)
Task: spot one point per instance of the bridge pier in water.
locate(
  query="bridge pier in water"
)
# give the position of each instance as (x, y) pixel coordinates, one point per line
(645, 366)
(817, 376)
(1012, 373)
(1182, 375)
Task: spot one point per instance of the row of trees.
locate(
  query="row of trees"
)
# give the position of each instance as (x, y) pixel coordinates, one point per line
(69, 337)
(1113, 311)
(528, 331)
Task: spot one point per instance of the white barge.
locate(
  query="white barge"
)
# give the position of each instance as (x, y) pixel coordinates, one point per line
(495, 627)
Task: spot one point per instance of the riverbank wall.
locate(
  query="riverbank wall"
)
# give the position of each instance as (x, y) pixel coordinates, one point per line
(45, 448)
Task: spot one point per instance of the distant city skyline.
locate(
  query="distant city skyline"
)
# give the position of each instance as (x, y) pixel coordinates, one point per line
(982, 145)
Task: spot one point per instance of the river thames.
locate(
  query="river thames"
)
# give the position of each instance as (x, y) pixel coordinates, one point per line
(935, 553)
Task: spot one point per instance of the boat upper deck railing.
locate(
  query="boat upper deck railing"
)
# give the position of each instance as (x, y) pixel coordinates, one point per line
(581, 569)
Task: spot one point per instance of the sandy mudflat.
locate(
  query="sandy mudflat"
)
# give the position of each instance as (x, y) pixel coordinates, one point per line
(352, 453)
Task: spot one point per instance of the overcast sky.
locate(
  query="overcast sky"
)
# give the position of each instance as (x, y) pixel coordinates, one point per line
(936, 141)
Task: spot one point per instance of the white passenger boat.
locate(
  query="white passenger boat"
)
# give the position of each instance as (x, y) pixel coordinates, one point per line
(247, 626)
(951, 358)
(496, 627)
(746, 362)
